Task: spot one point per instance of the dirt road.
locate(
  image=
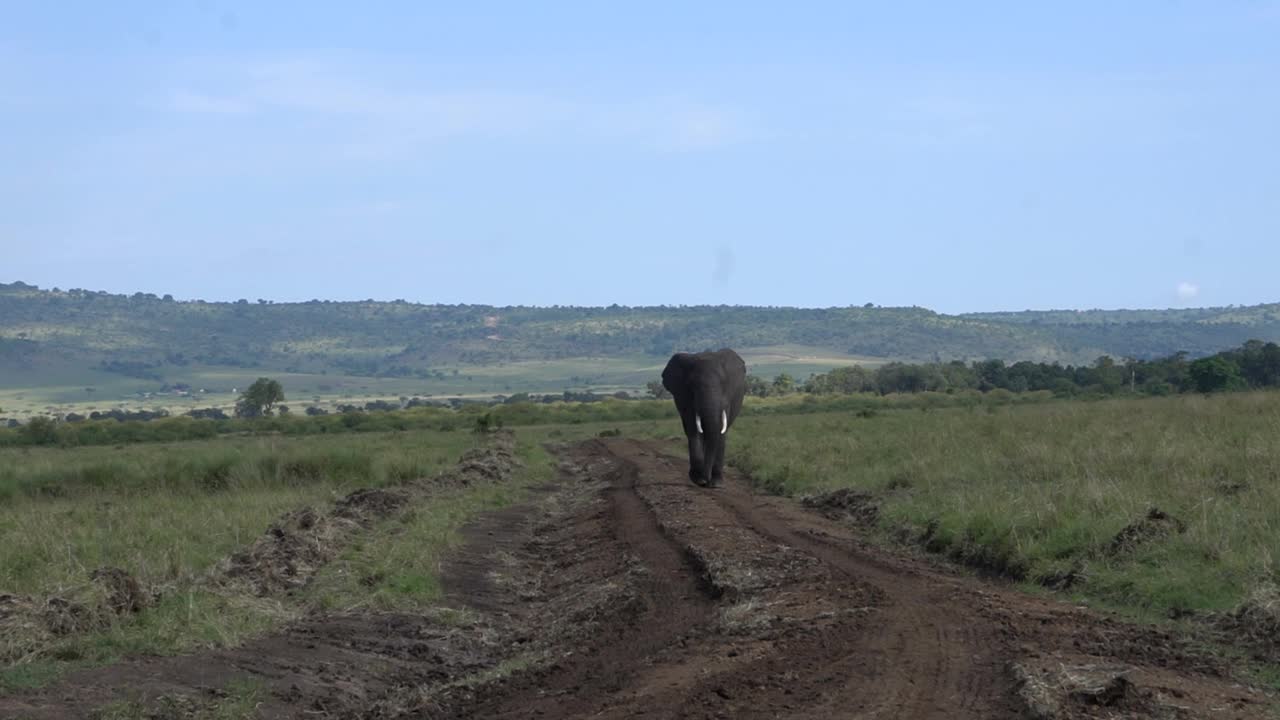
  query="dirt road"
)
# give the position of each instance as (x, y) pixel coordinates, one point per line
(624, 591)
(751, 606)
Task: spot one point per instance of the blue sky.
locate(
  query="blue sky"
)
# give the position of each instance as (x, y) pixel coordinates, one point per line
(957, 156)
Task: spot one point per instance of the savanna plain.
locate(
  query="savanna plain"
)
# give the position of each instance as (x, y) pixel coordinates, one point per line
(1070, 558)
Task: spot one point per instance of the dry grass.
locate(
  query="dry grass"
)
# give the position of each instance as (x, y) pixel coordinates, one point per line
(1042, 491)
(169, 538)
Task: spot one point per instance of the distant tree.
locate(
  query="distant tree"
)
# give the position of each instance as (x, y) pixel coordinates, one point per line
(259, 398)
(1215, 373)
(898, 377)
(40, 431)
(657, 390)
(1062, 387)
(848, 379)
(1108, 374)
(783, 384)
(1259, 363)
(756, 386)
(991, 374)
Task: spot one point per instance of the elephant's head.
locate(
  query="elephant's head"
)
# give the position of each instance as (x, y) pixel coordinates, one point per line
(708, 389)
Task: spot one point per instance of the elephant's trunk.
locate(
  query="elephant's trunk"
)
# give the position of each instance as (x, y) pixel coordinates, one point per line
(711, 422)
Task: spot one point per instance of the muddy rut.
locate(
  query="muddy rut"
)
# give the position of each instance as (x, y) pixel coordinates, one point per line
(623, 591)
(752, 607)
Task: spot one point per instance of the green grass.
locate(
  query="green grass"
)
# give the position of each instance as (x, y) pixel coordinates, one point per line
(1034, 490)
(397, 566)
(165, 512)
(155, 512)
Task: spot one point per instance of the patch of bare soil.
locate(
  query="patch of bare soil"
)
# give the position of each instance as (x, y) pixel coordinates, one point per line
(628, 592)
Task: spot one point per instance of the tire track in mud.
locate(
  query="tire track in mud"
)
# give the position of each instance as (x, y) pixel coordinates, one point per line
(911, 638)
(670, 602)
(910, 660)
(805, 621)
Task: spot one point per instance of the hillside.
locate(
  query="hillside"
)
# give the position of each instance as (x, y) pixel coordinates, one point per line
(76, 337)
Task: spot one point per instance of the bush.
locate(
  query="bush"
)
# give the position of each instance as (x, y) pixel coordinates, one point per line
(40, 431)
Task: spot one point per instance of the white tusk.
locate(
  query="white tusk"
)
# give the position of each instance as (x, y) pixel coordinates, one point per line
(698, 420)
(724, 421)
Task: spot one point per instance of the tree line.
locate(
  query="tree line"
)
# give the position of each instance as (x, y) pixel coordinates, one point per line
(1253, 365)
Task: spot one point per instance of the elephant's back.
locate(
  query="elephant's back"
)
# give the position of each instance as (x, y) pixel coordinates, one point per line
(732, 361)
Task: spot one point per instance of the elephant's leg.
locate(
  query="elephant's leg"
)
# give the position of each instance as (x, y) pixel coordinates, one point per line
(717, 467)
(695, 459)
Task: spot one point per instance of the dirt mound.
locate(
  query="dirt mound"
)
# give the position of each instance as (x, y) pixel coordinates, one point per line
(1156, 525)
(1255, 624)
(28, 625)
(846, 504)
(124, 594)
(1065, 578)
(288, 553)
(370, 504)
(1067, 691)
(300, 542)
(494, 461)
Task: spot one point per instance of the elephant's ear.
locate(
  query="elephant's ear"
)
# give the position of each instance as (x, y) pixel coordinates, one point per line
(676, 376)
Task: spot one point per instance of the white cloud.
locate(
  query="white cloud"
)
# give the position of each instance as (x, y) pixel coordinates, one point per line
(372, 208)
(1187, 291)
(194, 102)
(701, 128)
(400, 115)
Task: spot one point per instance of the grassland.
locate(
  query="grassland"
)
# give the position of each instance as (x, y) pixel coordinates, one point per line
(1053, 493)
(1045, 492)
(167, 513)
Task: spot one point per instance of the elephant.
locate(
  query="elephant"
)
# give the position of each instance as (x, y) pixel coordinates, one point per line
(708, 388)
